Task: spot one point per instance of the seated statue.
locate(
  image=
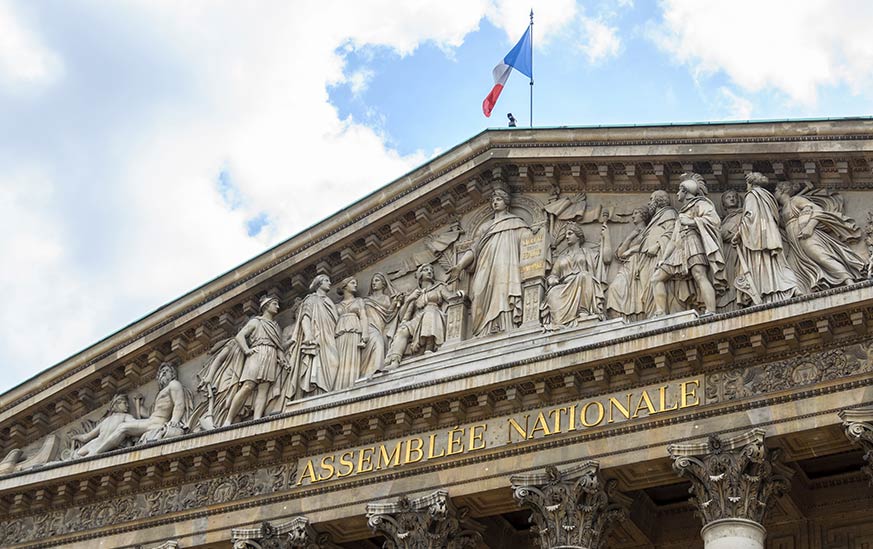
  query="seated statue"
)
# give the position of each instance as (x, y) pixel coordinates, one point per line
(576, 281)
(423, 325)
(168, 418)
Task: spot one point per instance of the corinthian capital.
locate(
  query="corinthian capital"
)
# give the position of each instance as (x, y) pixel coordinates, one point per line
(858, 424)
(570, 508)
(429, 522)
(297, 533)
(732, 478)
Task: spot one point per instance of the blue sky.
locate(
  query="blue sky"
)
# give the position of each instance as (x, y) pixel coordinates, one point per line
(147, 146)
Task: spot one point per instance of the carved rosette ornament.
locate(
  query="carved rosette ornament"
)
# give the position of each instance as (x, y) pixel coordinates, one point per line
(297, 533)
(732, 478)
(429, 522)
(859, 428)
(573, 508)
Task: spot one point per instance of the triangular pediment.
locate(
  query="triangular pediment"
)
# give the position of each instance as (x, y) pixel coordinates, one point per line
(546, 295)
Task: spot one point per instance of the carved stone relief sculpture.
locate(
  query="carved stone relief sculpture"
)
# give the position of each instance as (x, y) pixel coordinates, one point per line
(313, 357)
(693, 255)
(16, 460)
(655, 239)
(117, 413)
(576, 280)
(261, 342)
(382, 307)
(732, 208)
(762, 272)
(423, 324)
(574, 508)
(429, 522)
(817, 234)
(496, 289)
(352, 334)
(624, 297)
(169, 417)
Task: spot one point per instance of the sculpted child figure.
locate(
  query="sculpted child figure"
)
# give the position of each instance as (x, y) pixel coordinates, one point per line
(693, 253)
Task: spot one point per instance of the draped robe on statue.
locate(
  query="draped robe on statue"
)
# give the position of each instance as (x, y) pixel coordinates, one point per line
(313, 367)
(828, 240)
(655, 238)
(381, 324)
(496, 286)
(729, 226)
(768, 274)
(698, 244)
(578, 292)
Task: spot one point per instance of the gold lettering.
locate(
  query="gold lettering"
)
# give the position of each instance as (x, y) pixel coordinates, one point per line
(327, 465)
(346, 462)
(540, 425)
(453, 441)
(689, 389)
(477, 437)
(572, 415)
(663, 398)
(308, 472)
(622, 409)
(364, 458)
(431, 444)
(385, 458)
(514, 425)
(583, 415)
(410, 450)
(647, 401)
(556, 416)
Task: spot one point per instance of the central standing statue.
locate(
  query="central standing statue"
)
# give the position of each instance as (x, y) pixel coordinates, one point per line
(496, 287)
(694, 250)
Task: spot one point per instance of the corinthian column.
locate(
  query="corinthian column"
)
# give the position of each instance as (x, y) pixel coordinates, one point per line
(571, 509)
(297, 533)
(733, 481)
(859, 428)
(429, 522)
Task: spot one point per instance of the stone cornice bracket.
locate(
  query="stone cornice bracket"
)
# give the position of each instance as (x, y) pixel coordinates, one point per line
(732, 478)
(858, 424)
(573, 508)
(429, 522)
(297, 533)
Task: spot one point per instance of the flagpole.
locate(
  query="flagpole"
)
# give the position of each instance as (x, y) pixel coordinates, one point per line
(531, 68)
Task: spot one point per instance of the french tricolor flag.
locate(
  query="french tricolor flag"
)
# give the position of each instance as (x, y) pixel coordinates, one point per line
(519, 58)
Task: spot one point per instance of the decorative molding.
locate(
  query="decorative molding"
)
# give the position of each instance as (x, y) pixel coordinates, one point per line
(297, 533)
(732, 478)
(141, 506)
(807, 368)
(428, 522)
(858, 423)
(573, 508)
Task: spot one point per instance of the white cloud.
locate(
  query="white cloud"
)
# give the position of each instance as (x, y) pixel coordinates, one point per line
(110, 198)
(552, 18)
(734, 106)
(598, 40)
(795, 47)
(24, 60)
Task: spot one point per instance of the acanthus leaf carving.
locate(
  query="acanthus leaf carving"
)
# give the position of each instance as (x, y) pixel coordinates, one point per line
(858, 424)
(570, 508)
(429, 522)
(732, 478)
(297, 533)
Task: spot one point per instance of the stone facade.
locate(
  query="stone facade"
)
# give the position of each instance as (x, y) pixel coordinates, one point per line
(542, 338)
